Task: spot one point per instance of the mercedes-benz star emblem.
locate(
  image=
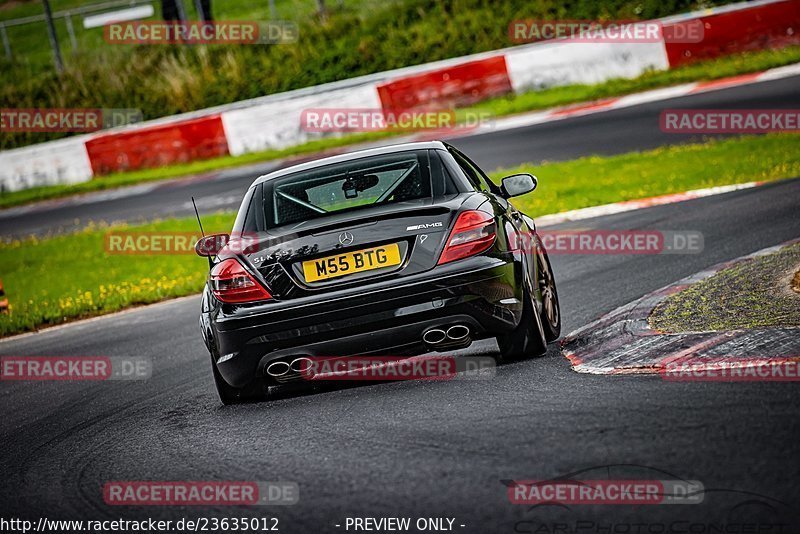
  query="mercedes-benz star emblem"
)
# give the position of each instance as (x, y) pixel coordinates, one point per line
(345, 238)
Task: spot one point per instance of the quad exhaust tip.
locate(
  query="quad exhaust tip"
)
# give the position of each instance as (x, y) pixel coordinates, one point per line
(301, 364)
(458, 332)
(435, 336)
(282, 368)
(279, 368)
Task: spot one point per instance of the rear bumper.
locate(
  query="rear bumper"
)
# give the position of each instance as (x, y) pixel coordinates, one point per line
(388, 317)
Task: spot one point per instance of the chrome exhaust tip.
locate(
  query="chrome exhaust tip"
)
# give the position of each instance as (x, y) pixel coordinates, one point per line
(277, 369)
(434, 336)
(301, 365)
(458, 332)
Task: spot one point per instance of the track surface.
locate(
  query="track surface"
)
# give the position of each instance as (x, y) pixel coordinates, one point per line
(611, 132)
(420, 449)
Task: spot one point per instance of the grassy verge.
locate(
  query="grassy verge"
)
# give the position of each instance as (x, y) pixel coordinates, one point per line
(557, 96)
(752, 294)
(592, 181)
(91, 282)
(51, 281)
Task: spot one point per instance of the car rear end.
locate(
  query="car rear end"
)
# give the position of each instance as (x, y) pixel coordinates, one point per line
(387, 254)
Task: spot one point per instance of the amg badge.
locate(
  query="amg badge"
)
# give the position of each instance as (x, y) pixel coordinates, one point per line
(424, 226)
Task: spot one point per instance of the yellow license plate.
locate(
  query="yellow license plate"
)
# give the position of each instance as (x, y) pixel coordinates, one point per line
(352, 262)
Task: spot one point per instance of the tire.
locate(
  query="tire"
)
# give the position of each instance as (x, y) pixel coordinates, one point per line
(527, 340)
(551, 309)
(233, 395)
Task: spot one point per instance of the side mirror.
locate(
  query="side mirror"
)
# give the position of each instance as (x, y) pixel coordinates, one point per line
(518, 184)
(210, 245)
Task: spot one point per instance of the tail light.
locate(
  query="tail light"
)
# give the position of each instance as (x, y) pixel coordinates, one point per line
(231, 283)
(473, 233)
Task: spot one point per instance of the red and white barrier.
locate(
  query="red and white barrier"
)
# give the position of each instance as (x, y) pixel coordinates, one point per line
(455, 86)
(565, 63)
(276, 125)
(273, 122)
(155, 146)
(736, 28)
(64, 161)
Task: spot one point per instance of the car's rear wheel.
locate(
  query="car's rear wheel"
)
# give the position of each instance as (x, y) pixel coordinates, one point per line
(527, 339)
(551, 311)
(233, 395)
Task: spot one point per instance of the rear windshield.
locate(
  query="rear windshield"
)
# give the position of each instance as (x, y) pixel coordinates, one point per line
(352, 185)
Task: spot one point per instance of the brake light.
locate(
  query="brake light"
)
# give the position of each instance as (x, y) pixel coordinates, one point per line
(473, 233)
(231, 283)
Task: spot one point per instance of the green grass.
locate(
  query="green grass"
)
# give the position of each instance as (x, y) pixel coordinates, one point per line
(753, 294)
(53, 280)
(593, 181)
(92, 282)
(720, 68)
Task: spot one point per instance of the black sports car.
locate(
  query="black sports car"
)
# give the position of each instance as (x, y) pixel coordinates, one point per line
(397, 250)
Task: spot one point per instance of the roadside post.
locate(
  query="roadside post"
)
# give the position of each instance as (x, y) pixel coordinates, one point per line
(51, 34)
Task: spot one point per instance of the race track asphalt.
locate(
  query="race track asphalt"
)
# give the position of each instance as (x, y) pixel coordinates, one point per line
(610, 132)
(426, 449)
